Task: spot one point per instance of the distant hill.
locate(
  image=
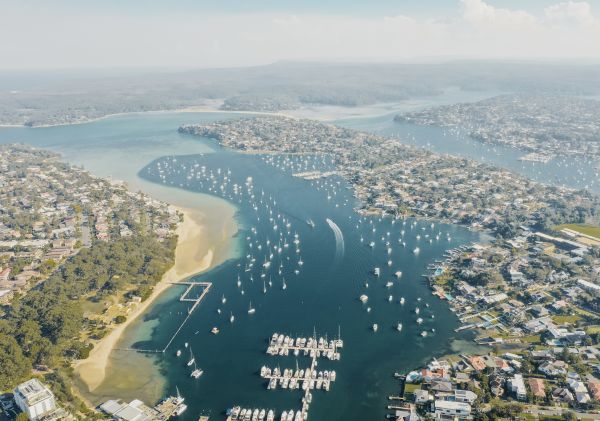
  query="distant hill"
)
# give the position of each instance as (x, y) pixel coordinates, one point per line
(53, 97)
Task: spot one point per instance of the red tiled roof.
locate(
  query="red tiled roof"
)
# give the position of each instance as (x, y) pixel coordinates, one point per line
(537, 387)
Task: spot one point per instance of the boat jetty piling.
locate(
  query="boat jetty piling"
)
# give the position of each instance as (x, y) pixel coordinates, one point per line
(294, 379)
(183, 298)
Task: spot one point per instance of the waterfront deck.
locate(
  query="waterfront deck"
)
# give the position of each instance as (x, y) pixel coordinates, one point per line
(170, 407)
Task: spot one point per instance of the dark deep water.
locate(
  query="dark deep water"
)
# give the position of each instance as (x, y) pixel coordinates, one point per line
(322, 297)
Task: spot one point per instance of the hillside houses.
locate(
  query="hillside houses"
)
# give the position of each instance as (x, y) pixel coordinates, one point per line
(49, 210)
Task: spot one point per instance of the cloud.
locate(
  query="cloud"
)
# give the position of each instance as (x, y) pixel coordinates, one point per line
(571, 13)
(47, 37)
(479, 13)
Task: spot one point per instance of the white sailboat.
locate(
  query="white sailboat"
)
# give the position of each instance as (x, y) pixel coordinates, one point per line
(251, 310)
(231, 318)
(196, 372)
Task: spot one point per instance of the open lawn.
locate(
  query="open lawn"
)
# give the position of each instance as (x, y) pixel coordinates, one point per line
(591, 230)
(592, 329)
(559, 320)
(531, 339)
(583, 312)
(411, 387)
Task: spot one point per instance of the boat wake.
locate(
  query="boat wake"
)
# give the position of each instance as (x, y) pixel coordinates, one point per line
(339, 240)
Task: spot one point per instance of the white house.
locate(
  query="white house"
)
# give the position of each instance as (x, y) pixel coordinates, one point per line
(517, 386)
(444, 409)
(464, 396)
(577, 386)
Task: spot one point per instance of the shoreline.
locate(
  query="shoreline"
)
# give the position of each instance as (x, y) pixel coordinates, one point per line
(191, 258)
(190, 109)
(323, 113)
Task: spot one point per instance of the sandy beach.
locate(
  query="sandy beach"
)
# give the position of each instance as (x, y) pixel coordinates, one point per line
(194, 254)
(313, 112)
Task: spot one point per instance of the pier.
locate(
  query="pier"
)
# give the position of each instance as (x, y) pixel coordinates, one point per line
(315, 175)
(306, 379)
(183, 298)
(291, 380)
(191, 285)
(170, 407)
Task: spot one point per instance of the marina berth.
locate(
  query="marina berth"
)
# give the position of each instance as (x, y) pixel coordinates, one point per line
(304, 380)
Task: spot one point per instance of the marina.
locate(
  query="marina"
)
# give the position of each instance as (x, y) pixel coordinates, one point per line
(307, 379)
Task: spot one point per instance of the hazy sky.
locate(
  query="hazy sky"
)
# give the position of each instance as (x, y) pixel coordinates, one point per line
(199, 33)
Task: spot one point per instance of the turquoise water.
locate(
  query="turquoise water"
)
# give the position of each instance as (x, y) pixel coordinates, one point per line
(322, 297)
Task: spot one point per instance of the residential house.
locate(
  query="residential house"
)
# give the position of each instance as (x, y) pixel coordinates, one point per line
(517, 386)
(537, 387)
(451, 410)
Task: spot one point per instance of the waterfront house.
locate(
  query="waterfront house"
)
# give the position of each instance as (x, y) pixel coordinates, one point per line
(451, 410)
(422, 396)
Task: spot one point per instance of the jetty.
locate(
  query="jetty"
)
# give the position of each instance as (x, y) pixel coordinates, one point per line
(315, 175)
(170, 407)
(191, 285)
(307, 379)
(185, 297)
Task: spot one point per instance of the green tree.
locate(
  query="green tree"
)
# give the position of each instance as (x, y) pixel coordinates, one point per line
(14, 367)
